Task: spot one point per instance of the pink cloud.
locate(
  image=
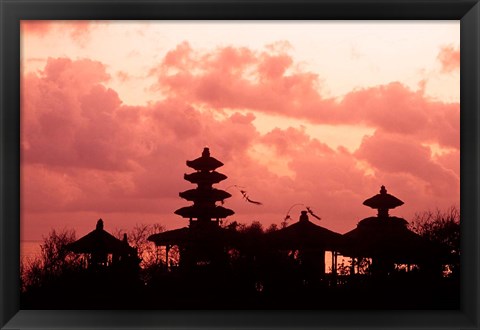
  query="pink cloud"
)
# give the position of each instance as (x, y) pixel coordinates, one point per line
(391, 107)
(85, 153)
(291, 140)
(449, 58)
(450, 160)
(123, 76)
(35, 27)
(268, 81)
(90, 138)
(237, 78)
(68, 116)
(399, 154)
(79, 31)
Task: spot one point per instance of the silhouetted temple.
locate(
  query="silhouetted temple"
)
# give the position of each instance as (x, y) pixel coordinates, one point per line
(204, 211)
(310, 242)
(387, 240)
(103, 249)
(202, 242)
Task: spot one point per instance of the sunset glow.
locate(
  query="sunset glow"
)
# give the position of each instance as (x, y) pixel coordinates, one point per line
(316, 113)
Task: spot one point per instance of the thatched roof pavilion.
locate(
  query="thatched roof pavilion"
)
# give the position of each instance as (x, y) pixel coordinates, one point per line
(386, 239)
(380, 238)
(306, 235)
(99, 243)
(311, 241)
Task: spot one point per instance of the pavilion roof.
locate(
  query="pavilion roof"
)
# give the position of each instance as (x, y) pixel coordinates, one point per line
(100, 241)
(388, 238)
(305, 234)
(187, 235)
(171, 237)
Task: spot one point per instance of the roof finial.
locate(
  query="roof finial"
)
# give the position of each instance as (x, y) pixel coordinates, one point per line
(303, 216)
(206, 152)
(383, 190)
(99, 224)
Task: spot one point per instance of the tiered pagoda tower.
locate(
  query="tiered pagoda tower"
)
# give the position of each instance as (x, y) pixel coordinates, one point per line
(203, 242)
(204, 212)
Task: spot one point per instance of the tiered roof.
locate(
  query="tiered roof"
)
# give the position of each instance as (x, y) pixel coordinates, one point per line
(204, 196)
(383, 202)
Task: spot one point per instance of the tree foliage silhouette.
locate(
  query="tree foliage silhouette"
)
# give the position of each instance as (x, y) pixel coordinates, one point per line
(443, 227)
(439, 226)
(137, 238)
(55, 261)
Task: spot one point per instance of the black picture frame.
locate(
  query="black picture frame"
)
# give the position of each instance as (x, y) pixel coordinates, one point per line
(13, 11)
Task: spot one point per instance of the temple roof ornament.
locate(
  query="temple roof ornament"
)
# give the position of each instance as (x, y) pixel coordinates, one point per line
(205, 162)
(383, 202)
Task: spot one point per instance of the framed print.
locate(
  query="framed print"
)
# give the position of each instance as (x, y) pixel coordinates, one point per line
(239, 164)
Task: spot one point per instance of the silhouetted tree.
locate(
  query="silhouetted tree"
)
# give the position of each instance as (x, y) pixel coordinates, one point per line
(362, 266)
(54, 254)
(31, 274)
(344, 269)
(54, 261)
(255, 228)
(439, 226)
(273, 227)
(442, 227)
(152, 258)
(137, 238)
(251, 242)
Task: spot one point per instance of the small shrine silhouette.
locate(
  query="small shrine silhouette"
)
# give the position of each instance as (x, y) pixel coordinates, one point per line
(387, 240)
(104, 250)
(308, 242)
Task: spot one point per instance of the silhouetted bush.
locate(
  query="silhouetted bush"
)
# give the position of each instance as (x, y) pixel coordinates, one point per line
(442, 227)
(439, 226)
(54, 262)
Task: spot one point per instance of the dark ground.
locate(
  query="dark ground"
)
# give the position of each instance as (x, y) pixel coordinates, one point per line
(222, 290)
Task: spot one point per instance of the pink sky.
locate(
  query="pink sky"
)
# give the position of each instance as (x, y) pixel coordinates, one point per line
(316, 113)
